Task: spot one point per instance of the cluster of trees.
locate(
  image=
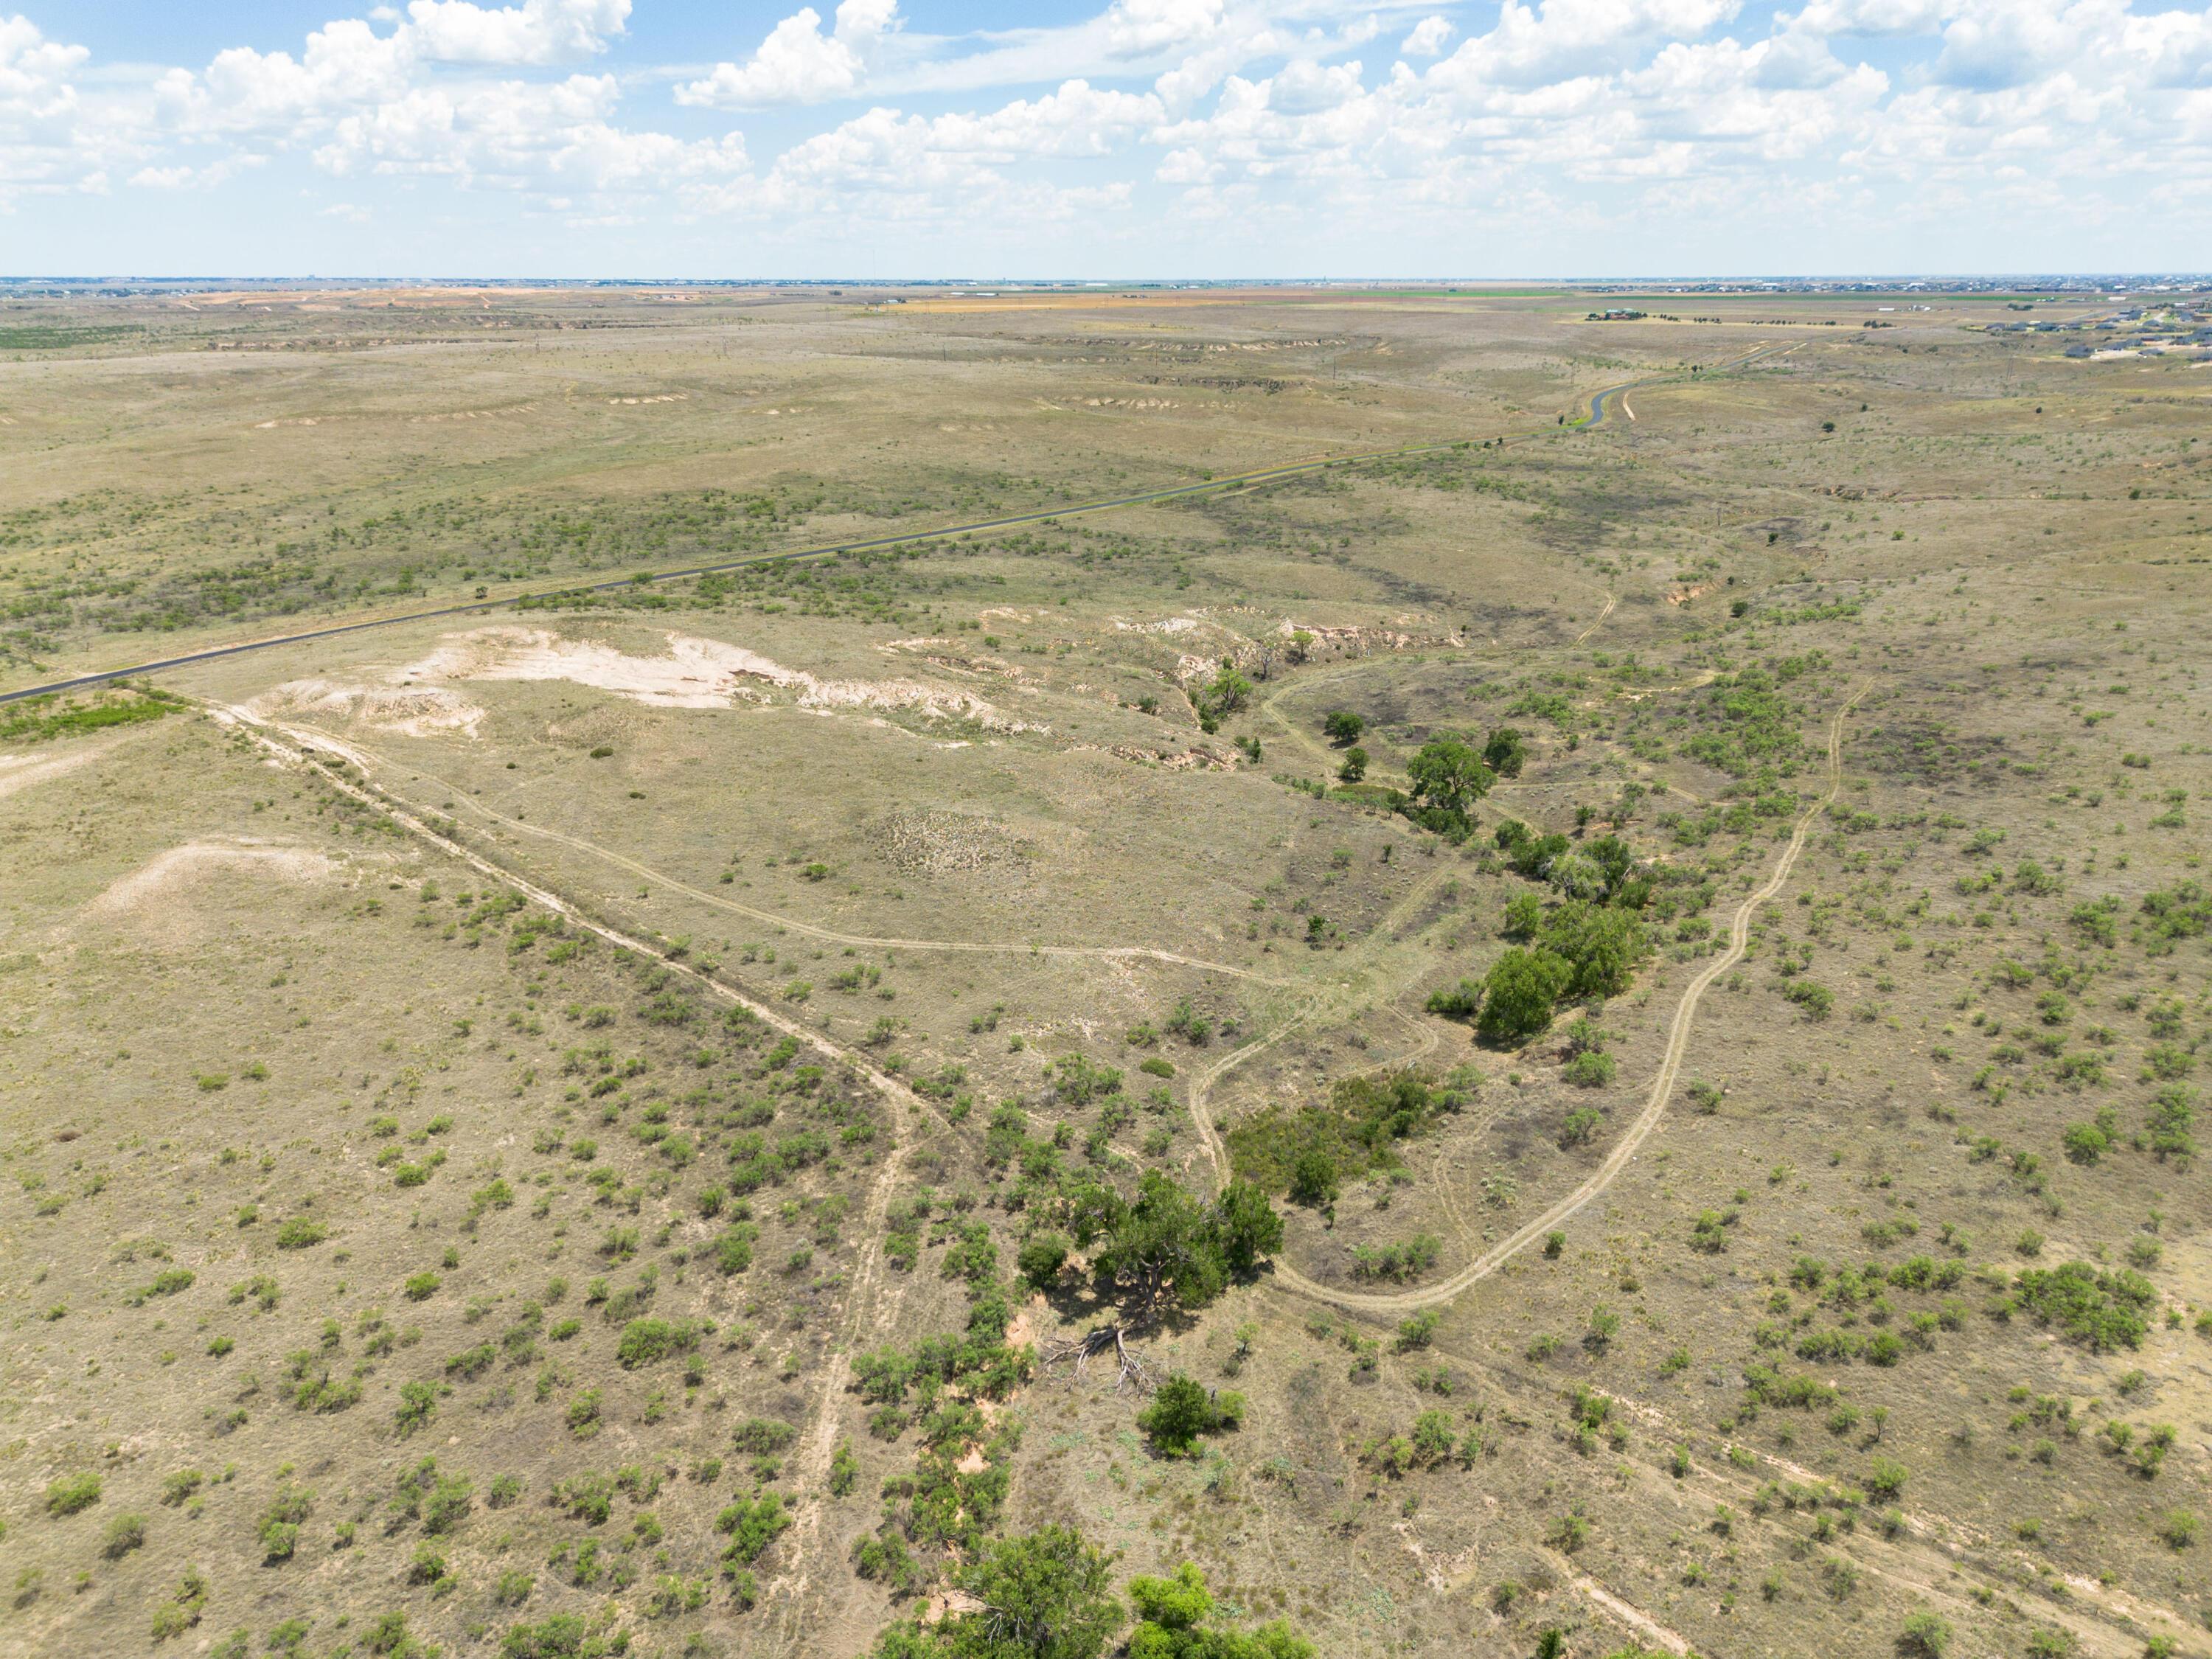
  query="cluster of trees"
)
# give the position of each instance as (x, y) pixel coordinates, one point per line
(1310, 1150)
(1750, 727)
(1161, 1249)
(1582, 950)
(1048, 1595)
(2100, 1311)
(1586, 946)
(1603, 871)
(1449, 774)
(1343, 728)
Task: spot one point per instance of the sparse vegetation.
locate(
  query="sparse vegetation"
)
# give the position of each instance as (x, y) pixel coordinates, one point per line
(1141, 1091)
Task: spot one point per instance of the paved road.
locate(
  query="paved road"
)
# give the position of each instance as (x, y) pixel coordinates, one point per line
(866, 544)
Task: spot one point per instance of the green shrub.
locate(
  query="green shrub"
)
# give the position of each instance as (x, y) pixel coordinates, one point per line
(1579, 1127)
(647, 1341)
(1418, 1332)
(760, 1435)
(563, 1636)
(2100, 1310)
(1356, 1131)
(447, 1504)
(1886, 1478)
(300, 1232)
(751, 1526)
(1457, 1002)
(1591, 1070)
(279, 1531)
(1313, 1178)
(418, 1404)
(1181, 1410)
(1408, 1258)
(733, 1250)
(181, 1610)
(1040, 1259)
(1518, 994)
(884, 1559)
(170, 1281)
(72, 1492)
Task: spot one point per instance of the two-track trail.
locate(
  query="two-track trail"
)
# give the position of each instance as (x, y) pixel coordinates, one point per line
(1624, 1150)
(870, 1303)
(367, 759)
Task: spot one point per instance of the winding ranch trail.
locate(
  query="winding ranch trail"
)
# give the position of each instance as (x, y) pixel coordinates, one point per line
(1654, 1105)
(870, 1304)
(360, 756)
(1611, 599)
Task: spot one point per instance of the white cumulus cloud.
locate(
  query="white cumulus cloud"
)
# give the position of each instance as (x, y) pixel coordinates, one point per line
(51, 138)
(1140, 27)
(536, 31)
(521, 134)
(1429, 37)
(1246, 119)
(800, 63)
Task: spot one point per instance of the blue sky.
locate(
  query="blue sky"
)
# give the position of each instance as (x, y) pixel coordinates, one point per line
(1117, 138)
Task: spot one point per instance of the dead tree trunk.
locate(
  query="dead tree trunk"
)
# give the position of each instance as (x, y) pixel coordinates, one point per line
(1130, 1369)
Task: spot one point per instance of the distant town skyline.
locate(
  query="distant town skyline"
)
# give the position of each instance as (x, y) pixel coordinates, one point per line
(1206, 139)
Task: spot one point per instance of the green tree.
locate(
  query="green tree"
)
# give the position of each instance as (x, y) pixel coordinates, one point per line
(1163, 1251)
(1355, 765)
(1167, 1251)
(1518, 994)
(1176, 1616)
(1179, 1603)
(1181, 1410)
(1449, 775)
(1247, 1226)
(1042, 1259)
(1342, 725)
(1599, 943)
(1506, 752)
(1313, 1178)
(1231, 691)
(1045, 1596)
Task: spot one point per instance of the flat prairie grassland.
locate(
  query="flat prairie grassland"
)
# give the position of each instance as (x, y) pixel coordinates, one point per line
(563, 1113)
